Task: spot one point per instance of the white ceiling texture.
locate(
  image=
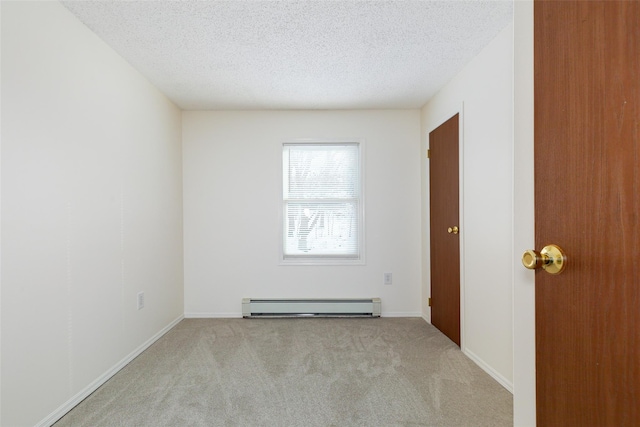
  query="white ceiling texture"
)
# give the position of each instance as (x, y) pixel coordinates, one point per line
(286, 54)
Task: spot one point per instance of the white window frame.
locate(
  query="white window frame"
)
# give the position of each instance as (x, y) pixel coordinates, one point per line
(324, 259)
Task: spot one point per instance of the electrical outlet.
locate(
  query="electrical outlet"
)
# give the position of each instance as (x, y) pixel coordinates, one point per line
(388, 278)
(140, 300)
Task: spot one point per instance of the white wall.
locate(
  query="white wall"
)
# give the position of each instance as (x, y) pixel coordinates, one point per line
(232, 182)
(91, 211)
(484, 89)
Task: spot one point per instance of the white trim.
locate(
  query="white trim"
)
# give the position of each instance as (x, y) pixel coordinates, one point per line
(325, 260)
(461, 214)
(209, 315)
(489, 370)
(238, 315)
(85, 392)
(415, 314)
(523, 216)
(485, 367)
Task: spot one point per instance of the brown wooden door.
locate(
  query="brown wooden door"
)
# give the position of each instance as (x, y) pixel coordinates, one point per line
(587, 196)
(444, 211)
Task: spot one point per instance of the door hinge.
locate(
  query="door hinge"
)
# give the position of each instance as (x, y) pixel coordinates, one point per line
(428, 154)
(429, 302)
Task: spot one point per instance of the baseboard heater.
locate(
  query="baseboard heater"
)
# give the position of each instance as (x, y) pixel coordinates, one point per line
(257, 308)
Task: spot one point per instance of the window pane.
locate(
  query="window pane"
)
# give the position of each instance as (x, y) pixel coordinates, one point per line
(321, 171)
(322, 211)
(321, 228)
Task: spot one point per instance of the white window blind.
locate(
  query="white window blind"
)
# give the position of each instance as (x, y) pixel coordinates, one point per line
(322, 209)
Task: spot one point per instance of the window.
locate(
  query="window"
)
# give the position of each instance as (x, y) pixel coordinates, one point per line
(322, 203)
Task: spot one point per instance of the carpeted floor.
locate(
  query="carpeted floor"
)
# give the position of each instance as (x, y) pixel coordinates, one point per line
(298, 372)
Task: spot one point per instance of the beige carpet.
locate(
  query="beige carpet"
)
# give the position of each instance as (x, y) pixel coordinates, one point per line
(299, 372)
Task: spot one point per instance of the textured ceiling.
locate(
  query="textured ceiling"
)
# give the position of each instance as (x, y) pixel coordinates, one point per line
(341, 54)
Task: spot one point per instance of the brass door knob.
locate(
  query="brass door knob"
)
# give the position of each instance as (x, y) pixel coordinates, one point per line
(551, 258)
(453, 230)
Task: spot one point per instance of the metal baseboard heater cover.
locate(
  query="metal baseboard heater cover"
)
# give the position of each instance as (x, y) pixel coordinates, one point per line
(351, 307)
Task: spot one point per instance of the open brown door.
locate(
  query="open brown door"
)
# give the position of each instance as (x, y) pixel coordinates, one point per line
(587, 196)
(444, 213)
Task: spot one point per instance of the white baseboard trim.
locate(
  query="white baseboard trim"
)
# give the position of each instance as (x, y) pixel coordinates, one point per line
(84, 393)
(206, 315)
(481, 363)
(195, 315)
(401, 314)
(489, 370)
